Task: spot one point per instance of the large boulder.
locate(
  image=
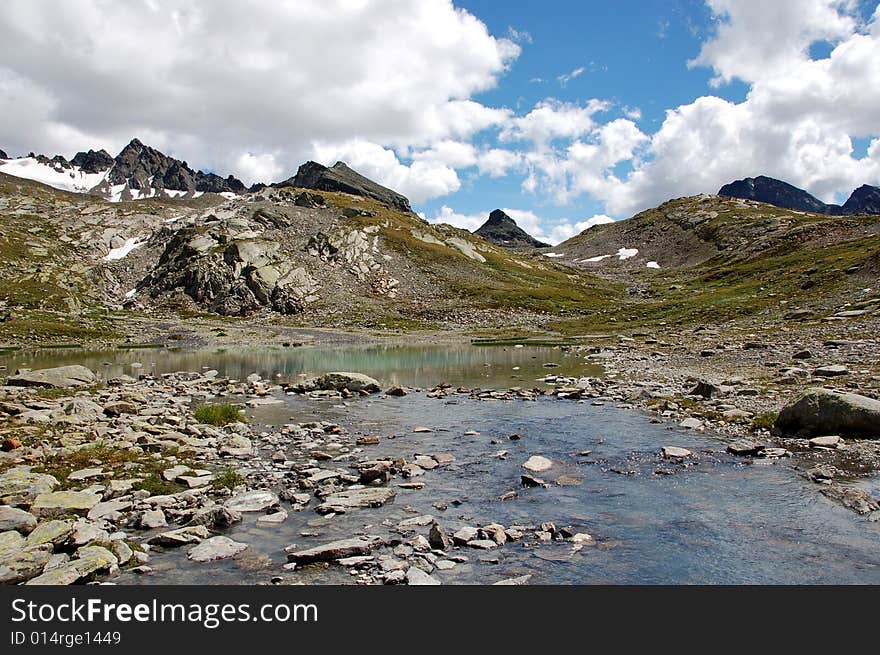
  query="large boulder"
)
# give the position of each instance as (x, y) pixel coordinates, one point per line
(59, 377)
(339, 380)
(821, 411)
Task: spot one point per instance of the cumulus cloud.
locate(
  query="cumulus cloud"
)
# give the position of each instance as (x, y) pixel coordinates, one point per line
(233, 86)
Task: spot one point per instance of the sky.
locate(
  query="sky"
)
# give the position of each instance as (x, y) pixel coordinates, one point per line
(564, 113)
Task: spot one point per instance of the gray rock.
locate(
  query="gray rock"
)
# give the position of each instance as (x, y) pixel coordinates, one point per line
(537, 464)
(18, 486)
(60, 377)
(12, 518)
(821, 412)
(61, 503)
(346, 501)
(745, 447)
(691, 423)
(705, 389)
(215, 517)
(23, 564)
(336, 550)
(438, 538)
(464, 535)
(339, 380)
(90, 561)
(215, 548)
(152, 519)
(191, 534)
(520, 580)
(856, 499)
(825, 442)
(415, 576)
(831, 371)
(252, 501)
(52, 532)
(673, 452)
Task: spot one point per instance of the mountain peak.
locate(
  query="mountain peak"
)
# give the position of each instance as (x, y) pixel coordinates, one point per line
(864, 200)
(502, 230)
(342, 178)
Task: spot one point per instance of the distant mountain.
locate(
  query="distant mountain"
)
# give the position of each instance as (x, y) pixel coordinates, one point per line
(502, 230)
(864, 200)
(3, 155)
(340, 177)
(137, 172)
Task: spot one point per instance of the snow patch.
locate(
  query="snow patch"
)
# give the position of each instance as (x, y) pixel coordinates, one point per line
(627, 253)
(553, 254)
(122, 251)
(598, 258)
(652, 265)
(130, 294)
(66, 179)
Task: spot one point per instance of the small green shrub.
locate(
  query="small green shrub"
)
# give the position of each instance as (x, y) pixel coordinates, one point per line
(765, 421)
(228, 479)
(219, 414)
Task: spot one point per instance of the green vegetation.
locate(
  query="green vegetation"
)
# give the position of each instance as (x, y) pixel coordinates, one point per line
(227, 479)
(220, 414)
(765, 421)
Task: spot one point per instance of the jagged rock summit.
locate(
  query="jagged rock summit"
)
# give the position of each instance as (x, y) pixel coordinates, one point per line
(137, 172)
(340, 177)
(502, 230)
(864, 200)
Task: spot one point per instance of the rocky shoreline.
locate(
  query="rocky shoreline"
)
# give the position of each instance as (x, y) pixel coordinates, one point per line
(97, 476)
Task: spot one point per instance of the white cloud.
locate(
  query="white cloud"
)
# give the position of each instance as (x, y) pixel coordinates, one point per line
(565, 78)
(553, 119)
(257, 168)
(211, 82)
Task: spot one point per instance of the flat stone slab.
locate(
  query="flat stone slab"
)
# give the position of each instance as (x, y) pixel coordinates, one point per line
(336, 550)
(215, 548)
(90, 560)
(346, 501)
(745, 447)
(53, 532)
(825, 442)
(12, 518)
(672, 452)
(60, 503)
(415, 576)
(189, 535)
(24, 564)
(537, 464)
(59, 377)
(252, 501)
(831, 371)
(19, 486)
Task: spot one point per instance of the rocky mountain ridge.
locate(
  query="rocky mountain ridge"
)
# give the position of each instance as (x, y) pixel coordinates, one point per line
(864, 200)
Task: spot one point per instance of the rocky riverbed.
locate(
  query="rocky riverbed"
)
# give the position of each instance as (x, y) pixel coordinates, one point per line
(102, 479)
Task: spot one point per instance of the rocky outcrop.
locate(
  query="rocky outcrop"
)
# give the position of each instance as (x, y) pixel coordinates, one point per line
(3, 154)
(864, 200)
(142, 167)
(232, 277)
(92, 161)
(339, 380)
(340, 177)
(502, 230)
(59, 377)
(821, 412)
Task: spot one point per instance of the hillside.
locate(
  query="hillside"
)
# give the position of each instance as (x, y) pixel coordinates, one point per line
(74, 265)
(713, 259)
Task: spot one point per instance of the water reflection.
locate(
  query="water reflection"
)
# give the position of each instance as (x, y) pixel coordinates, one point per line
(391, 364)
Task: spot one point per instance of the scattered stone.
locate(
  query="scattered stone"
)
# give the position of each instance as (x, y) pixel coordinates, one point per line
(152, 519)
(674, 452)
(745, 447)
(831, 371)
(90, 560)
(415, 576)
(691, 423)
(351, 499)
(12, 518)
(276, 518)
(537, 464)
(334, 550)
(252, 501)
(825, 442)
(856, 499)
(438, 538)
(215, 548)
(62, 503)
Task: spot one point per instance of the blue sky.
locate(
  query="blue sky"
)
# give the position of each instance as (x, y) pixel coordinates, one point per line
(565, 113)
